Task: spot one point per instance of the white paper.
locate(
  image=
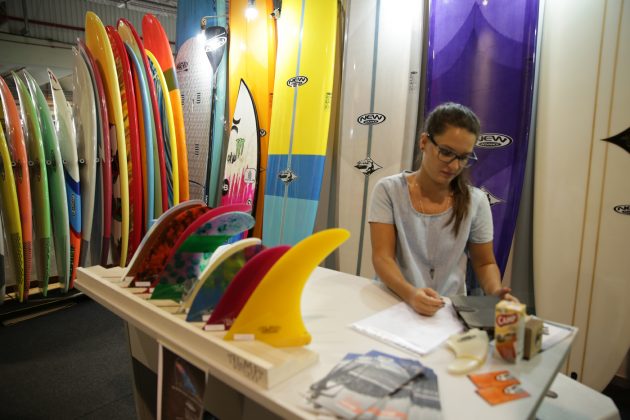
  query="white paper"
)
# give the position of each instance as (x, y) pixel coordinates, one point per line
(553, 334)
(401, 326)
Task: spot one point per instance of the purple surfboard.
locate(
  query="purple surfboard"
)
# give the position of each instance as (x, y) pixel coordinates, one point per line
(482, 56)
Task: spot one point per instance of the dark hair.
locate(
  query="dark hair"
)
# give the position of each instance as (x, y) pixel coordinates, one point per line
(446, 115)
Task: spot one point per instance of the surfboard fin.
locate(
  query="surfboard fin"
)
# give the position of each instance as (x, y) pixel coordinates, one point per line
(622, 139)
(273, 314)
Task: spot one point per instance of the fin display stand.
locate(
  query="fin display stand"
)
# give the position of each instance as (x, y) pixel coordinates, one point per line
(254, 361)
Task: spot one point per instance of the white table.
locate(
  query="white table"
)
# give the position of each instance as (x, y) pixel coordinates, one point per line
(331, 301)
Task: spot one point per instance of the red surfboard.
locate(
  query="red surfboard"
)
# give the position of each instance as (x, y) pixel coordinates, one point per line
(132, 140)
(156, 41)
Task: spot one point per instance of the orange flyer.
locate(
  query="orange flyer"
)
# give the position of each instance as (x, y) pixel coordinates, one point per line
(497, 395)
(498, 387)
(499, 378)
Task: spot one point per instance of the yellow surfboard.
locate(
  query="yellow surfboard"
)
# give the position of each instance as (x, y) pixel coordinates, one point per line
(301, 117)
(273, 313)
(98, 42)
(11, 215)
(253, 58)
(172, 137)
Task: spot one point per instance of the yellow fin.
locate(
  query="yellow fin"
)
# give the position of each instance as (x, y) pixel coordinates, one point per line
(273, 314)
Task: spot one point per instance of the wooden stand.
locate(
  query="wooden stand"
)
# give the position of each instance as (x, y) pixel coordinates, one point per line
(256, 361)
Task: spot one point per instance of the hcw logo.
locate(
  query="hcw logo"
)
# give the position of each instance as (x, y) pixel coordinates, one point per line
(506, 319)
(623, 209)
(493, 141)
(371, 118)
(297, 81)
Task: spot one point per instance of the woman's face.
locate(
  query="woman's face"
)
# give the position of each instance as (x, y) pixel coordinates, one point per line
(440, 148)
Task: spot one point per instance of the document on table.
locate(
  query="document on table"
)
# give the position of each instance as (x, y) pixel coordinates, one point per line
(401, 326)
(554, 333)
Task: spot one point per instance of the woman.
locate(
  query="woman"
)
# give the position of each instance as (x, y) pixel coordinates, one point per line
(423, 223)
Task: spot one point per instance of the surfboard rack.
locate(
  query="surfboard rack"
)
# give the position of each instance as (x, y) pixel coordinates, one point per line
(255, 361)
(12, 310)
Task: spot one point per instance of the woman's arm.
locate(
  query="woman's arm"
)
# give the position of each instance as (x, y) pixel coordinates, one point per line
(487, 271)
(425, 301)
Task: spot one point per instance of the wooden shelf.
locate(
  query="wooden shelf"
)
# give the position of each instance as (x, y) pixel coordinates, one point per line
(256, 361)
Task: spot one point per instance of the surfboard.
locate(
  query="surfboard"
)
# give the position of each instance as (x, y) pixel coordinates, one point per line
(132, 139)
(230, 254)
(240, 178)
(378, 84)
(195, 80)
(243, 285)
(66, 135)
(194, 249)
(252, 57)
(168, 131)
(85, 121)
(581, 203)
(19, 160)
(217, 281)
(97, 41)
(156, 41)
(11, 216)
(146, 136)
(458, 63)
(215, 29)
(300, 119)
(56, 183)
(38, 178)
(103, 193)
(281, 325)
(130, 36)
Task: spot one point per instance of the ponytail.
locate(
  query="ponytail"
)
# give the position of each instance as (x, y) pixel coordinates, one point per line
(455, 115)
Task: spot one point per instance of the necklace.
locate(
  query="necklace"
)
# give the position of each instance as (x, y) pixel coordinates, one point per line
(420, 198)
(427, 220)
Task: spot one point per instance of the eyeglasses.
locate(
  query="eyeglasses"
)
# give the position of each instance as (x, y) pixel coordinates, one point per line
(447, 155)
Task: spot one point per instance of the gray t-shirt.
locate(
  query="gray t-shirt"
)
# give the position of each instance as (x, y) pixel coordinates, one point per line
(425, 244)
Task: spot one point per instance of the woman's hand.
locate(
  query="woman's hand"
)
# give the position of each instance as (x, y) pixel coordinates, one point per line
(425, 301)
(505, 294)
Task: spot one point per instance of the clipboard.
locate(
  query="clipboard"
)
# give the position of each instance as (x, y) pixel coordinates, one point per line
(476, 311)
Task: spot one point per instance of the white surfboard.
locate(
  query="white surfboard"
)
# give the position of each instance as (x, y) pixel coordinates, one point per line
(194, 74)
(379, 110)
(85, 126)
(581, 201)
(241, 162)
